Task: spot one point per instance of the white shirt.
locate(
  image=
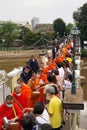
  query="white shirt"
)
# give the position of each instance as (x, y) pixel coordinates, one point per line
(67, 84)
(61, 71)
(44, 118)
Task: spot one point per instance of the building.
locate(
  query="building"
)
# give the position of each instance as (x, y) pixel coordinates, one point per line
(44, 27)
(34, 22)
(27, 25)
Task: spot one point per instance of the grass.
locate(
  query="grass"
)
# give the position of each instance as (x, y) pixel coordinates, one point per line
(10, 64)
(11, 60)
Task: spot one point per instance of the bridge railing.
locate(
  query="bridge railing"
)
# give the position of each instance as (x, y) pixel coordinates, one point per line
(5, 89)
(15, 74)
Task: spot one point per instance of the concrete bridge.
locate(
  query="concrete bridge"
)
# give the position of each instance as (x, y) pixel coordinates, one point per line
(81, 121)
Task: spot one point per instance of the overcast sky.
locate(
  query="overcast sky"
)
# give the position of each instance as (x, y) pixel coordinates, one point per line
(46, 10)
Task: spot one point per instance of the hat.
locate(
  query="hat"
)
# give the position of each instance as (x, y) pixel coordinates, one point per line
(51, 90)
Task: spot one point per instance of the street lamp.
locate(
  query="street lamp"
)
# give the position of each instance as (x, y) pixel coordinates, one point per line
(74, 33)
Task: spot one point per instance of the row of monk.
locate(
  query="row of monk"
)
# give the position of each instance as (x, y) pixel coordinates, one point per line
(40, 85)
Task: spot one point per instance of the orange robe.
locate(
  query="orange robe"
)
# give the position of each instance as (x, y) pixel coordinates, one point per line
(59, 58)
(53, 64)
(33, 84)
(25, 89)
(68, 46)
(64, 51)
(42, 78)
(50, 67)
(45, 70)
(8, 112)
(22, 99)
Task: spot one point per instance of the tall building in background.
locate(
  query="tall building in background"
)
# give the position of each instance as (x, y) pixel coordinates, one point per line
(34, 22)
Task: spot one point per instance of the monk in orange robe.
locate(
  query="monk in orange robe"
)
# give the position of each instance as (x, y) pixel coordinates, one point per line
(42, 81)
(21, 99)
(51, 62)
(59, 58)
(68, 46)
(50, 67)
(64, 51)
(10, 110)
(45, 71)
(33, 83)
(25, 89)
(43, 68)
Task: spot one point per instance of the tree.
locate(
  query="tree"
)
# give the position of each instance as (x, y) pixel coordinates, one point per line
(80, 17)
(68, 28)
(9, 31)
(28, 37)
(59, 26)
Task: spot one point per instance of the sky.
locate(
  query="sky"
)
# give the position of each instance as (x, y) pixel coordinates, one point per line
(46, 10)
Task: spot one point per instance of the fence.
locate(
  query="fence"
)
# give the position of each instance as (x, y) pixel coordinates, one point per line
(5, 89)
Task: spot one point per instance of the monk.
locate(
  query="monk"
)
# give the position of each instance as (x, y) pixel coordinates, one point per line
(42, 81)
(41, 76)
(68, 46)
(33, 83)
(64, 51)
(43, 68)
(20, 98)
(59, 58)
(25, 89)
(51, 64)
(10, 110)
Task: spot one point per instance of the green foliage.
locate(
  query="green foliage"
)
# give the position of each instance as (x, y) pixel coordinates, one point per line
(59, 26)
(68, 28)
(49, 35)
(28, 38)
(84, 53)
(76, 16)
(80, 17)
(9, 31)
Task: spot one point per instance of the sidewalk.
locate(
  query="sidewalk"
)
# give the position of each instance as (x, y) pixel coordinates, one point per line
(82, 120)
(83, 117)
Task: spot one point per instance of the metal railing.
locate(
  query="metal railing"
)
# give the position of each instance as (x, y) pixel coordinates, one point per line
(5, 89)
